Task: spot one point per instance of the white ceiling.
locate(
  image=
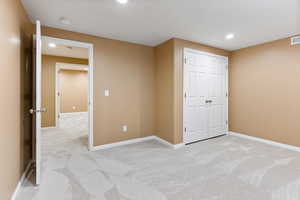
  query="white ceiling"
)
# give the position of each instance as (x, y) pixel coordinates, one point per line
(63, 50)
(151, 22)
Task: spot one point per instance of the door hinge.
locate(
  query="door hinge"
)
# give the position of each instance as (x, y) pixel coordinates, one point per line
(184, 129)
(184, 60)
(226, 121)
(226, 94)
(185, 95)
(58, 93)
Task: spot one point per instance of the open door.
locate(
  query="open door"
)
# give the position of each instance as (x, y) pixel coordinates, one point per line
(37, 105)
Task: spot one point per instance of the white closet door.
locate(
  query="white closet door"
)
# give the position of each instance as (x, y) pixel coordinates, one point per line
(196, 108)
(205, 103)
(217, 116)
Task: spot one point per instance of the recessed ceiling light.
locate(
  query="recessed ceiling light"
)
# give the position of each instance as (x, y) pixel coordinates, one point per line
(64, 20)
(229, 36)
(52, 45)
(122, 1)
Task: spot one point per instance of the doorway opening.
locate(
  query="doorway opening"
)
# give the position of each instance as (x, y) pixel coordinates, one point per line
(71, 91)
(67, 92)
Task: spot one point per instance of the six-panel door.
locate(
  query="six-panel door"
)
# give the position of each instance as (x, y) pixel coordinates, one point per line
(204, 96)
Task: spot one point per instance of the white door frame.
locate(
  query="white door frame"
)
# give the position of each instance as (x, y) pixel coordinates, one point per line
(58, 67)
(185, 50)
(90, 48)
(38, 101)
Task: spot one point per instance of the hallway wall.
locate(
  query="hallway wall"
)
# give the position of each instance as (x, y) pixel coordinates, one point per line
(74, 91)
(15, 36)
(48, 85)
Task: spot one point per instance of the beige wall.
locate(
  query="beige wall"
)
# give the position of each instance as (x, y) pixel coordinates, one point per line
(74, 91)
(48, 85)
(264, 91)
(132, 104)
(164, 73)
(14, 25)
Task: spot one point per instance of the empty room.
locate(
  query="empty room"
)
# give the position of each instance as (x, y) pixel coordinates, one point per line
(150, 100)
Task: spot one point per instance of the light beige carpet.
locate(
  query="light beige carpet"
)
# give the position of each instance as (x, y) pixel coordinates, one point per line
(226, 168)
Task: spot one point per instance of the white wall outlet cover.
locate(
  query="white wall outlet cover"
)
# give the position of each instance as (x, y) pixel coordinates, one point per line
(124, 128)
(74, 107)
(106, 92)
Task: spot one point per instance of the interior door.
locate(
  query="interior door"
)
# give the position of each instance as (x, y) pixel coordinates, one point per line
(36, 109)
(205, 96)
(217, 95)
(195, 96)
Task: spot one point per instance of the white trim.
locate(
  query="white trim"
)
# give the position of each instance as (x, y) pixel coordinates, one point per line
(178, 146)
(73, 113)
(293, 40)
(90, 48)
(69, 66)
(22, 179)
(138, 140)
(57, 98)
(38, 103)
(185, 50)
(49, 128)
(278, 144)
(122, 143)
(91, 98)
(174, 146)
(68, 42)
(203, 53)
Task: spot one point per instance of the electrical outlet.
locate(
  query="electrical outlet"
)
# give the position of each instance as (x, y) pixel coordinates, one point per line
(74, 107)
(124, 128)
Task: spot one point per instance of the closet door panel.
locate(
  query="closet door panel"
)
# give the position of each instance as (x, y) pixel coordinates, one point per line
(217, 95)
(195, 107)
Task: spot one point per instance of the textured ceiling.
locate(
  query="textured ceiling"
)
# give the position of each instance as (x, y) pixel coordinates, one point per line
(151, 22)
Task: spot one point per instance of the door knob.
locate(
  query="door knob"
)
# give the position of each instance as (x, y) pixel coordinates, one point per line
(32, 110)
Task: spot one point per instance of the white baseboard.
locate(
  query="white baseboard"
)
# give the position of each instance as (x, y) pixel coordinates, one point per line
(49, 128)
(270, 142)
(73, 113)
(19, 185)
(126, 142)
(137, 140)
(174, 146)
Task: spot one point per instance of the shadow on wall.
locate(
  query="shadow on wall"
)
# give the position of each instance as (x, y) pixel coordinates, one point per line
(26, 86)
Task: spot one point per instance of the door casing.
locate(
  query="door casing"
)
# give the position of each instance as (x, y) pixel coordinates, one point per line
(90, 48)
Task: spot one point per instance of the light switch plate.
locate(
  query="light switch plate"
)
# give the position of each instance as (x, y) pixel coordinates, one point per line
(106, 92)
(124, 128)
